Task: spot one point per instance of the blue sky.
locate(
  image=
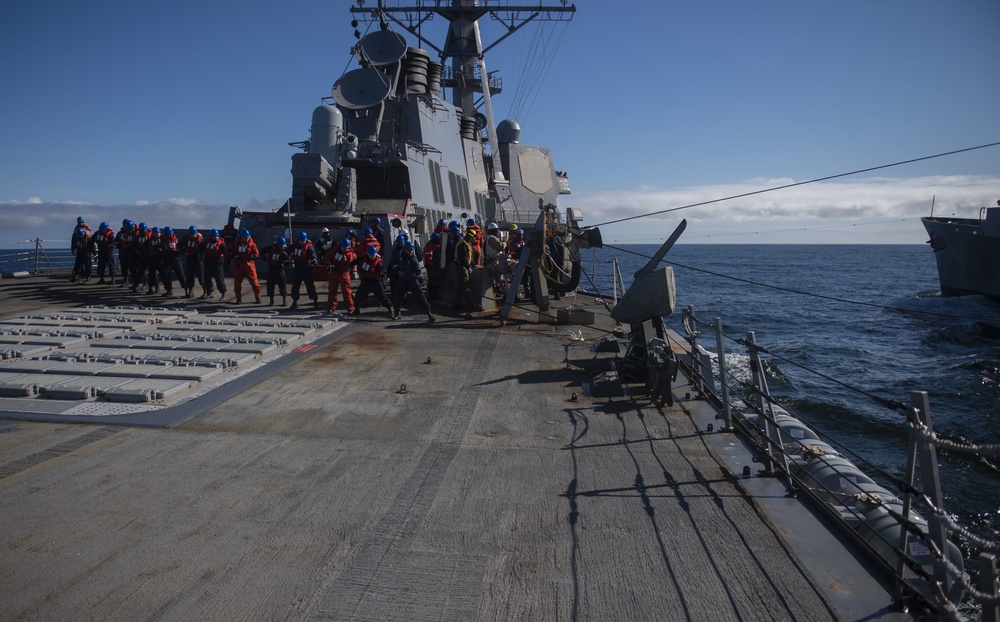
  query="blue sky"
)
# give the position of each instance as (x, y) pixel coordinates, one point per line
(170, 112)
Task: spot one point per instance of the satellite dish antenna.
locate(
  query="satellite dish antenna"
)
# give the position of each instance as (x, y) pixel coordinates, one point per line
(361, 88)
(383, 47)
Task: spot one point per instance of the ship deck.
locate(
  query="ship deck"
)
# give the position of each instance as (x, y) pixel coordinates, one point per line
(324, 489)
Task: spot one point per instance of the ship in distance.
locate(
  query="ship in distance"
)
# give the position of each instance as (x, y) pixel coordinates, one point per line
(967, 252)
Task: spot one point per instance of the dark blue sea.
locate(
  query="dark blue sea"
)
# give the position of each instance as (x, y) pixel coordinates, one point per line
(905, 338)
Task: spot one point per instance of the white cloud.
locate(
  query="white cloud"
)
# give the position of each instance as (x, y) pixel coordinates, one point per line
(817, 205)
(55, 220)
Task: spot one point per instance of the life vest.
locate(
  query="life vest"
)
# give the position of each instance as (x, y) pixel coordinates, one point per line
(515, 247)
(106, 239)
(303, 253)
(275, 256)
(370, 268)
(123, 239)
(155, 246)
(371, 241)
(192, 244)
(340, 258)
(140, 242)
(215, 250)
(170, 245)
(246, 250)
(431, 250)
(464, 253)
(492, 248)
(81, 244)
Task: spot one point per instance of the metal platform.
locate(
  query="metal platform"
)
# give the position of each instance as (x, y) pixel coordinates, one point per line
(160, 359)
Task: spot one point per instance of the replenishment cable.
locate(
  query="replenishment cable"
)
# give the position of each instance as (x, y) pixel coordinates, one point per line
(800, 183)
(804, 293)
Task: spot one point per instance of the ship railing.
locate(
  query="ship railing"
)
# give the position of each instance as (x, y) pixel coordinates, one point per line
(38, 260)
(917, 553)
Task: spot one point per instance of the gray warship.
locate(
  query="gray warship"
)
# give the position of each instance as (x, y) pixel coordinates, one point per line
(554, 458)
(967, 252)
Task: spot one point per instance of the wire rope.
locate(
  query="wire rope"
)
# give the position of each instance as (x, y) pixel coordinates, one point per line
(800, 183)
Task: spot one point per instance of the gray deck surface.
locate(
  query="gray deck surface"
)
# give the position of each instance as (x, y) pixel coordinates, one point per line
(324, 493)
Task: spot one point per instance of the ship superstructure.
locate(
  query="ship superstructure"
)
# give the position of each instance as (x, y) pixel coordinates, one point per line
(390, 142)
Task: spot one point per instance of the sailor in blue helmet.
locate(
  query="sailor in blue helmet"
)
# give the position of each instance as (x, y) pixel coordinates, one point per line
(154, 260)
(80, 224)
(194, 265)
(277, 258)
(378, 232)
(371, 271)
(140, 255)
(172, 261)
(304, 261)
(81, 247)
(213, 253)
(104, 245)
(123, 241)
(395, 255)
(410, 280)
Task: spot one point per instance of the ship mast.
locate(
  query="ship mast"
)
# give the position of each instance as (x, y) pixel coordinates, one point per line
(463, 45)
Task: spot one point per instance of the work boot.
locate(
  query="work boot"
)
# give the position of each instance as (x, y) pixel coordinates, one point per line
(257, 299)
(284, 300)
(149, 291)
(295, 305)
(165, 294)
(356, 312)
(205, 295)
(430, 317)
(316, 305)
(222, 296)
(270, 300)
(101, 282)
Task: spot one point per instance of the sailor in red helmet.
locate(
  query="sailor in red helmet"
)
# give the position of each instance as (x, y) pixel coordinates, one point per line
(371, 271)
(245, 253)
(304, 260)
(339, 261)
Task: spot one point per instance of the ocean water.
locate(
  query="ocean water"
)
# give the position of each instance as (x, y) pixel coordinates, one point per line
(54, 256)
(905, 338)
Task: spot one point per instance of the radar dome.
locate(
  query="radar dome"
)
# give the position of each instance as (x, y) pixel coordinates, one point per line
(508, 131)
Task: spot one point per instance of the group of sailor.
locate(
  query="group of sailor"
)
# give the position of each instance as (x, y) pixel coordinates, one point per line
(156, 256)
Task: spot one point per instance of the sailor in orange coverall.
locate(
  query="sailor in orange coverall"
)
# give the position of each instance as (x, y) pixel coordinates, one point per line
(339, 260)
(244, 255)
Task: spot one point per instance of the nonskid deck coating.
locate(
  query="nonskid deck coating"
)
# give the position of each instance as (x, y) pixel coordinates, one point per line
(320, 491)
